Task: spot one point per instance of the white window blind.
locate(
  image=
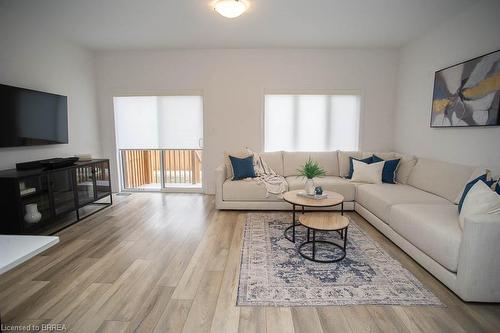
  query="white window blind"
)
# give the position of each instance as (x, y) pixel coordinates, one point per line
(311, 122)
(152, 122)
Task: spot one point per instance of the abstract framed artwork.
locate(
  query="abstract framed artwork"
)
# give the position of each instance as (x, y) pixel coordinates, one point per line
(468, 94)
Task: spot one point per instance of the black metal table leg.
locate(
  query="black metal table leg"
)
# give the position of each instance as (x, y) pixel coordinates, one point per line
(294, 224)
(345, 239)
(314, 244)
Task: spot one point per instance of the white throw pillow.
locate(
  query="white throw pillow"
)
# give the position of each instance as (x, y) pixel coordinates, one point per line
(479, 200)
(367, 173)
(479, 171)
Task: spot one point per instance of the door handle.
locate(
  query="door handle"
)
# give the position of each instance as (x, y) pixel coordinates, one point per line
(200, 142)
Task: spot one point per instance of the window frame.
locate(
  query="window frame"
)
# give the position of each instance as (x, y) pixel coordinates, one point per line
(319, 92)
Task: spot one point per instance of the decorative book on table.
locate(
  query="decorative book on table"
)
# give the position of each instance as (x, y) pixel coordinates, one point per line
(312, 196)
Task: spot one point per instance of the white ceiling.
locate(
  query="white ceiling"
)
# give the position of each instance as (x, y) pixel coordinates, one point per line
(154, 24)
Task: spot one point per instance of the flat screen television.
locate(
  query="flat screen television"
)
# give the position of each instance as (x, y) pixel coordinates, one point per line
(29, 117)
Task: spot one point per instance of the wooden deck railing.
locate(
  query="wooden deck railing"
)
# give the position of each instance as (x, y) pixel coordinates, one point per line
(85, 173)
(143, 166)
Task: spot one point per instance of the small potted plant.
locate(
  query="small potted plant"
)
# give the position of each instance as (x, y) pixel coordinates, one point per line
(310, 170)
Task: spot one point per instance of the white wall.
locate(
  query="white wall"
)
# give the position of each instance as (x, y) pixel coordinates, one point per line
(31, 59)
(233, 83)
(473, 33)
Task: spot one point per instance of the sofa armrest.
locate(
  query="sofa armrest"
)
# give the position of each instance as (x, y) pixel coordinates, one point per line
(220, 178)
(478, 275)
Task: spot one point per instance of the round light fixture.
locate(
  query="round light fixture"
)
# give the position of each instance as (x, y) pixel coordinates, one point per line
(231, 8)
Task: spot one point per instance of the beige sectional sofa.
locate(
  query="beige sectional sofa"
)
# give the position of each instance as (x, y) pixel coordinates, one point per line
(419, 214)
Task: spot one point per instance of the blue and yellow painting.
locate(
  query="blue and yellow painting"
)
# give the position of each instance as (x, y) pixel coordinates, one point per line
(468, 94)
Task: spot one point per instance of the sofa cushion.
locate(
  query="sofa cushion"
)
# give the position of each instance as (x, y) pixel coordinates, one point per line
(344, 161)
(379, 198)
(367, 160)
(434, 229)
(227, 161)
(367, 172)
(478, 172)
(295, 160)
(328, 183)
(382, 155)
(483, 178)
(274, 160)
(479, 200)
(246, 190)
(389, 171)
(405, 167)
(442, 178)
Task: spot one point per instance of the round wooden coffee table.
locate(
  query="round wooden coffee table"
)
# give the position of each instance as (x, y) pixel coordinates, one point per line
(292, 197)
(324, 222)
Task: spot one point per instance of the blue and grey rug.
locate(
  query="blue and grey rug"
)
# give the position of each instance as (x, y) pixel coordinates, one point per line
(272, 273)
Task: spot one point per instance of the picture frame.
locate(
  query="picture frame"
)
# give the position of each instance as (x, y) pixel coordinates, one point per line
(467, 94)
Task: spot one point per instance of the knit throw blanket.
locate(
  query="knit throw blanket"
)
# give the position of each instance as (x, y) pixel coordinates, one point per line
(274, 183)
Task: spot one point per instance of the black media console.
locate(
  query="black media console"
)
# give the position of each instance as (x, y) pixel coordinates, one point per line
(41, 201)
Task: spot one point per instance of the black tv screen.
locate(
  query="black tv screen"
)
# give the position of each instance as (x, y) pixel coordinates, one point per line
(29, 117)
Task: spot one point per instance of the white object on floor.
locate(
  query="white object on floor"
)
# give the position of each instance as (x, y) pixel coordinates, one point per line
(16, 249)
(367, 173)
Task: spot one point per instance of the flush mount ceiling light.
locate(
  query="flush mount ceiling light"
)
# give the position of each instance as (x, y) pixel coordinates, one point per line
(231, 8)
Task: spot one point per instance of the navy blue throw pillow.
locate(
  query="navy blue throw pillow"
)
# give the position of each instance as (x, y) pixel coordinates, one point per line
(497, 188)
(467, 189)
(389, 170)
(242, 167)
(368, 160)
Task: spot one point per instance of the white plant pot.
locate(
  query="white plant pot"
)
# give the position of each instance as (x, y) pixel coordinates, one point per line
(309, 188)
(32, 213)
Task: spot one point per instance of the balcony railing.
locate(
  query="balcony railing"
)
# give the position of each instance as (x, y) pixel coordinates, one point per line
(161, 168)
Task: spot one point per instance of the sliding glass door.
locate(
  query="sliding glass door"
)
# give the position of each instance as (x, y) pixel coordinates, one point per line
(160, 142)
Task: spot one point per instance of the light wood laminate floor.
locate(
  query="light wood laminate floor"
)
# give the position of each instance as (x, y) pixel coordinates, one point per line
(170, 263)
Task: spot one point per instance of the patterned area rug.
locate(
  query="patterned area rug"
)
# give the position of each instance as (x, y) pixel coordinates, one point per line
(272, 273)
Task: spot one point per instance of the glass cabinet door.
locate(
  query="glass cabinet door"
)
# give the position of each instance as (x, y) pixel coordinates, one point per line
(103, 180)
(85, 184)
(62, 191)
(34, 193)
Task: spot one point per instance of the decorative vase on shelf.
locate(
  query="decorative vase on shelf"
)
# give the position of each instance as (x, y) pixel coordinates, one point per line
(309, 188)
(32, 213)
